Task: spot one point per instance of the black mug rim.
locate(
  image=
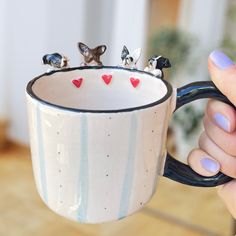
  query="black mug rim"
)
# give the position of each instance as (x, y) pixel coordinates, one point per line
(31, 93)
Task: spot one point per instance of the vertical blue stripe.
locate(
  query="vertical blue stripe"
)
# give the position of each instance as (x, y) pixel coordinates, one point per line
(41, 153)
(83, 170)
(160, 158)
(129, 171)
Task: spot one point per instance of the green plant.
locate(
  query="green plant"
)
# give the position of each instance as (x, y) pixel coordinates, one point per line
(229, 47)
(229, 42)
(177, 45)
(173, 44)
(189, 120)
(231, 14)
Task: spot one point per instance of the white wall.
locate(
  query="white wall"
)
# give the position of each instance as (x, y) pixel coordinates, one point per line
(130, 27)
(34, 28)
(3, 105)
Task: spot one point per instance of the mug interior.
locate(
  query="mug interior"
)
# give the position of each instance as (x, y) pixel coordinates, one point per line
(104, 88)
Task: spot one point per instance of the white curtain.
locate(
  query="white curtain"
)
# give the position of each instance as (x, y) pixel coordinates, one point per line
(206, 21)
(29, 29)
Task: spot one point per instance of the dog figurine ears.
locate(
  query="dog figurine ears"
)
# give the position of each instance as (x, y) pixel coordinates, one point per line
(156, 64)
(91, 55)
(130, 60)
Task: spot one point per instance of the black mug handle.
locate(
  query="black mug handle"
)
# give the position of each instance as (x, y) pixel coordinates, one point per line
(177, 170)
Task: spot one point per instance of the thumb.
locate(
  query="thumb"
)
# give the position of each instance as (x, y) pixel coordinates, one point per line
(223, 73)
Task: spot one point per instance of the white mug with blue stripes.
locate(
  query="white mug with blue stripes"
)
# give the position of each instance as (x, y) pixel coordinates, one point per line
(98, 139)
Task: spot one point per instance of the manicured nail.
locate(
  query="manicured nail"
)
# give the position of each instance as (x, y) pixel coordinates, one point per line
(221, 60)
(222, 122)
(210, 165)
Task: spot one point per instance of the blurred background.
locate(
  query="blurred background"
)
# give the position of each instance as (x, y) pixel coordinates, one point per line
(185, 31)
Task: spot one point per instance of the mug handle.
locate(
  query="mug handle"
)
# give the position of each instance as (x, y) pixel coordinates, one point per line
(177, 170)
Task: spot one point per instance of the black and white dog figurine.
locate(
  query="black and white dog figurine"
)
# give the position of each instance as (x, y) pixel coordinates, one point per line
(130, 60)
(55, 60)
(156, 65)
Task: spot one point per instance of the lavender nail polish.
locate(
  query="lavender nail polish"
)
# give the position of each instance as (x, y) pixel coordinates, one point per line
(210, 165)
(222, 122)
(221, 60)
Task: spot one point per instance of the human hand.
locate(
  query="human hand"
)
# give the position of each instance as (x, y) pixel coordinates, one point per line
(217, 144)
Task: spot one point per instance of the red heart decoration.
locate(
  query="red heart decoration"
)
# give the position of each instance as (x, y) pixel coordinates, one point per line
(77, 82)
(107, 78)
(134, 81)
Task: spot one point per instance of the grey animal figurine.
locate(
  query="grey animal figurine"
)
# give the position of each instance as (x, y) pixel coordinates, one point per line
(91, 55)
(156, 64)
(130, 60)
(56, 61)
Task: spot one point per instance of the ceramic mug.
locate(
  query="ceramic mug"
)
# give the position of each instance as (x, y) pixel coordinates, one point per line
(98, 139)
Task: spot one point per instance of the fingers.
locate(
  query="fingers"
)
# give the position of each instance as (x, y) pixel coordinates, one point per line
(227, 192)
(203, 163)
(217, 143)
(223, 73)
(226, 141)
(209, 159)
(227, 162)
(222, 115)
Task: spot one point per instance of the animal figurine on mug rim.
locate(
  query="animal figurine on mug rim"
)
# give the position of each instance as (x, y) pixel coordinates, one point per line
(130, 60)
(56, 61)
(156, 64)
(91, 55)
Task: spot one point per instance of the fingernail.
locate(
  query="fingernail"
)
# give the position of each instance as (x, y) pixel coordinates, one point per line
(210, 165)
(222, 122)
(221, 60)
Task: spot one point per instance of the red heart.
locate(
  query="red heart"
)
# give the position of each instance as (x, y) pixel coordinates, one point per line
(134, 81)
(77, 82)
(107, 78)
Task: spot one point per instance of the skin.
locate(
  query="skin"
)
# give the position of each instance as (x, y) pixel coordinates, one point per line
(216, 143)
